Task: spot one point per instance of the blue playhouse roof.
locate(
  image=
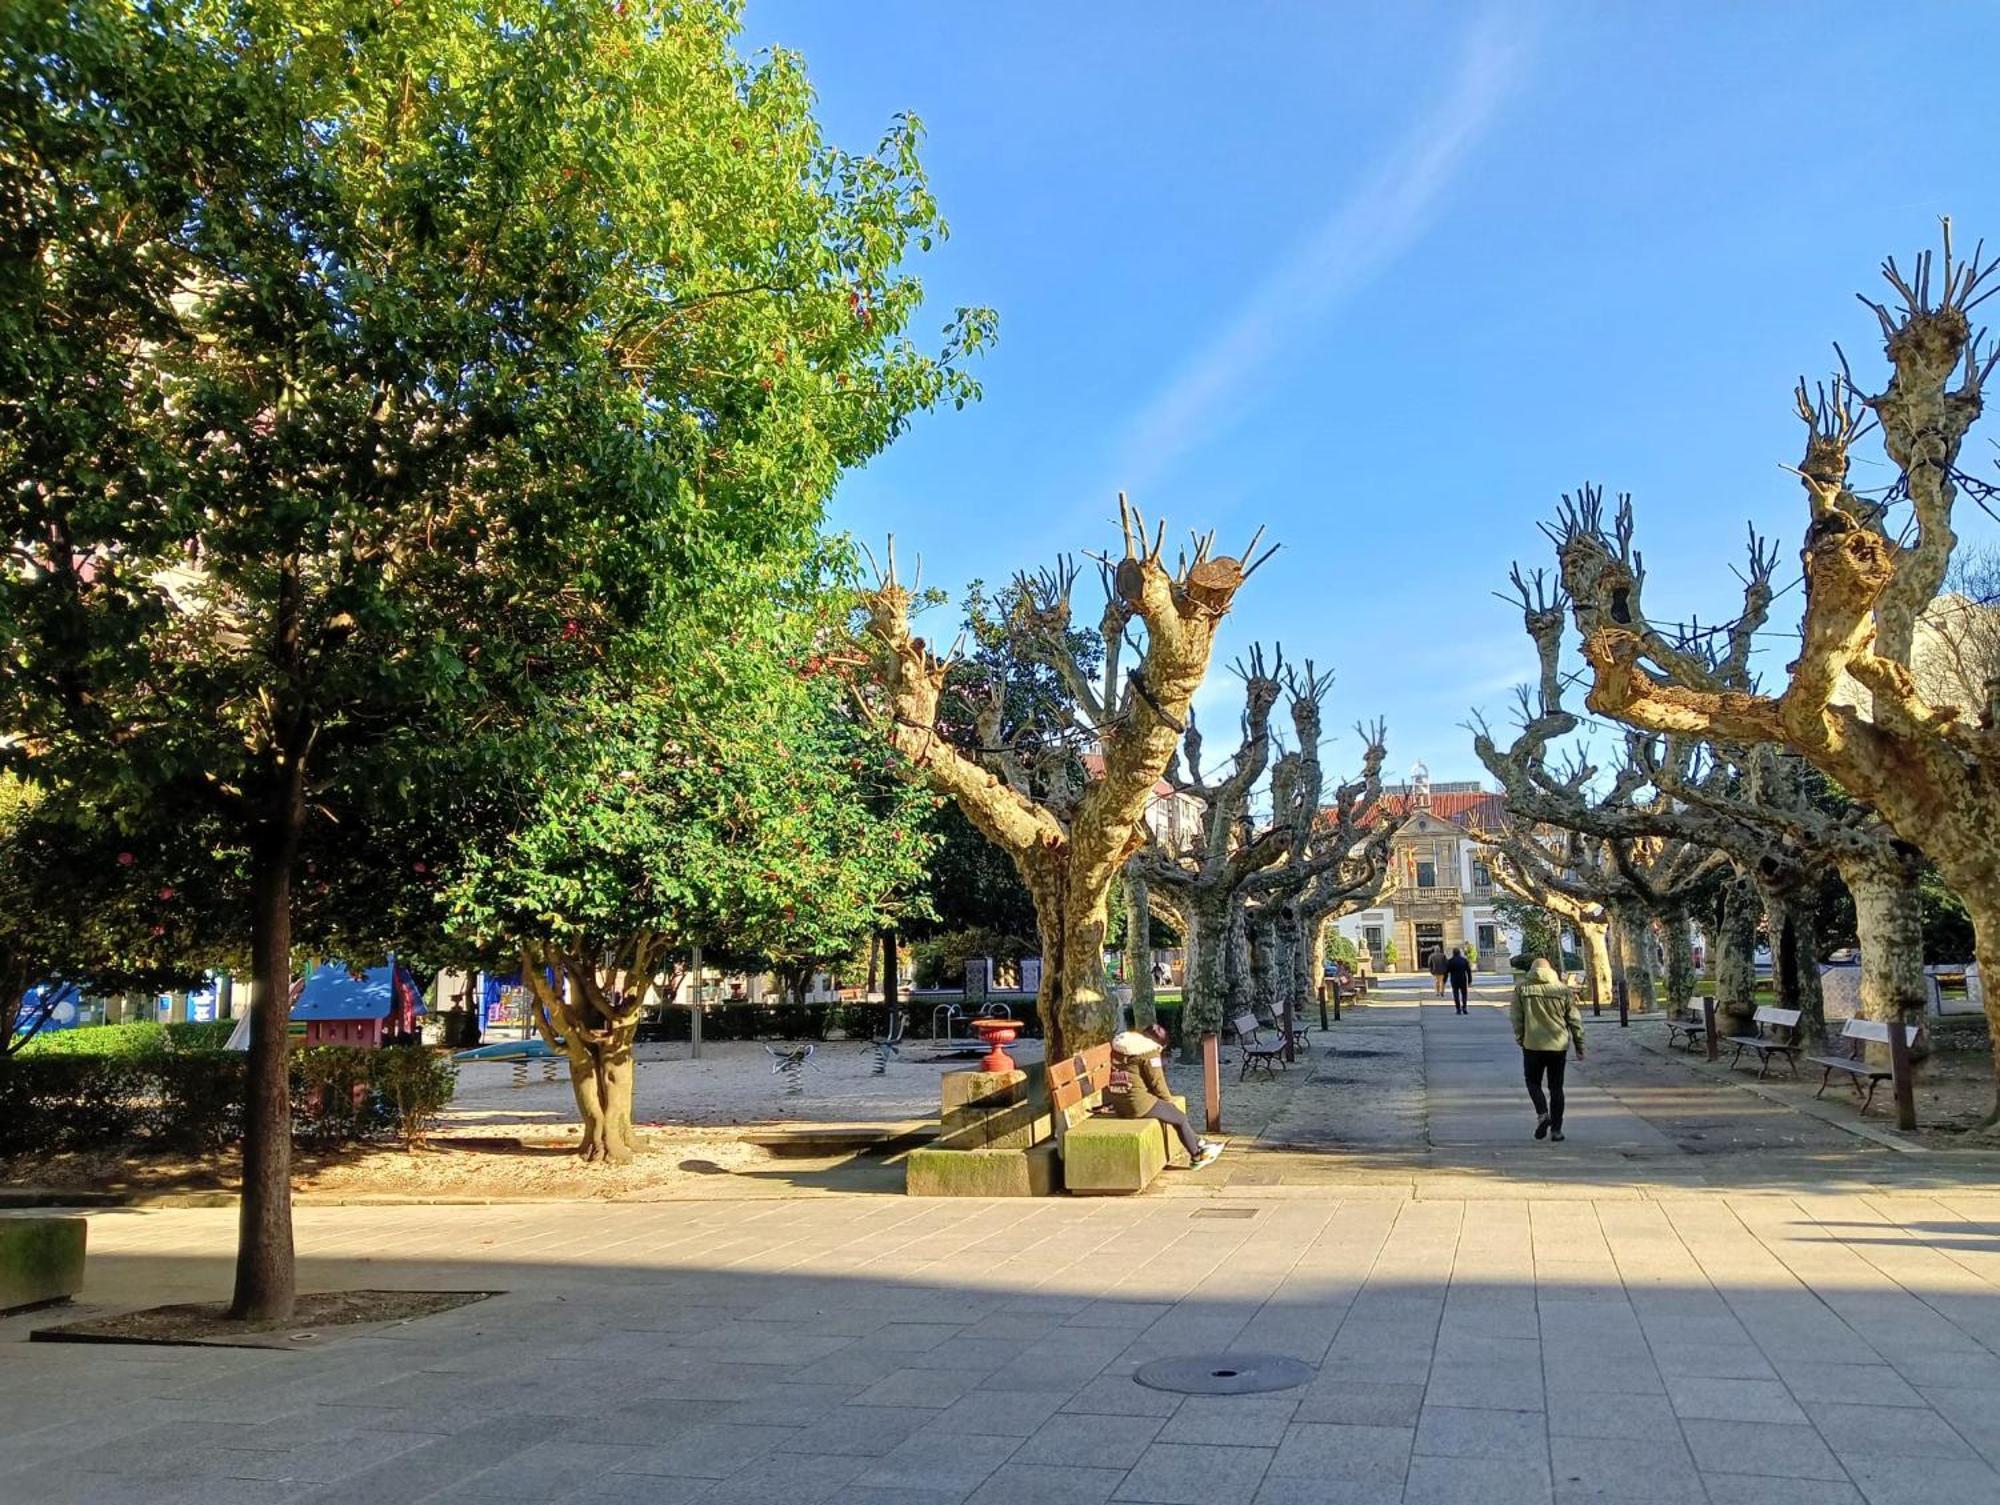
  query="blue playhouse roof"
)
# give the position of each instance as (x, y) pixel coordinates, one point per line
(332, 991)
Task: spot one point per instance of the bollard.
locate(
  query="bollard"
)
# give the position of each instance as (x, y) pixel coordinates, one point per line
(1286, 1020)
(1708, 1029)
(1211, 1082)
(1624, 1006)
(1899, 1075)
(1322, 1005)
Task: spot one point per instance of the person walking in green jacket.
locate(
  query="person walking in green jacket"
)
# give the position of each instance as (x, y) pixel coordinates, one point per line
(1546, 1023)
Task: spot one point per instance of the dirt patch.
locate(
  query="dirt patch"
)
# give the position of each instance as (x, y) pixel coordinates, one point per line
(319, 1317)
(538, 1163)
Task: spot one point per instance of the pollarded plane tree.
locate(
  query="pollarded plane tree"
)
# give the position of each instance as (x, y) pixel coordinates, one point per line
(1932, 769)
(1345, 866)
(1517, 873)
(1632, 862)
(1337, 861)
(1754, 800)
(1198, 878)
(1070, 845)
(1768, 863)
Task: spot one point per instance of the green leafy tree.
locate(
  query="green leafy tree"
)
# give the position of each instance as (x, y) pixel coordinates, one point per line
(104, 910)
(364, 370)
(732, 804)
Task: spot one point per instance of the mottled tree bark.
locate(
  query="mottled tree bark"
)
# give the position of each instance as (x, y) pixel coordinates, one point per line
(1889, 927)
(1634, 927)
(1139, 951)
(1931, 771)
(1680, 960)
(1736, 957)
(1068, 851)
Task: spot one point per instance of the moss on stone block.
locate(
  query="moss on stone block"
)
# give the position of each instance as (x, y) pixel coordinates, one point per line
(41, 1260)
(1014, 1127)
(1108, 1156)
(960, 1090)
(937, 1172)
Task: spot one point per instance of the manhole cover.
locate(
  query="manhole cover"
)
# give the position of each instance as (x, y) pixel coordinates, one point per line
(1224, 1212)
(1224, 1374)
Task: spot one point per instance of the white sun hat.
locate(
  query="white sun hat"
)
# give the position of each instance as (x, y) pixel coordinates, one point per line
(1131, 1043)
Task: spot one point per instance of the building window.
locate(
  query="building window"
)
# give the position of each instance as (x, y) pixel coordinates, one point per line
(1427, 875)
(1482, 877)
(1489, 939)
(1372, 934)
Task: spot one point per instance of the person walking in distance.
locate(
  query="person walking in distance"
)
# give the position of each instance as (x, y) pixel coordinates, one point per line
(1458, 972)
(1546, 1023)
(1437, 970)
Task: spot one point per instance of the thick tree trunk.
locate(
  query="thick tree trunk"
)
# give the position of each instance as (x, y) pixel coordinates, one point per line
(1736, 958)
(1075, 997)
(1236, 964)
(1680, 960)
(601, 1074)
(266, 1272)
(1139, 952)
(1596, 936)
(1889, 924)
(1266, 968)
(1205, 979)
(1795, 958)
(1984, 908)
(1635, 952)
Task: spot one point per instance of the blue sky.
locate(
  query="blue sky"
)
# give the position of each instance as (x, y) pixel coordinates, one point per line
(1389, 279)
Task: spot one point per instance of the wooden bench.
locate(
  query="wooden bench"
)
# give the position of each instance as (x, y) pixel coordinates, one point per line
(1103, 1154)
(1257, 1051)
(1851, 1059)
(1691, 1026)
(1777, 1034)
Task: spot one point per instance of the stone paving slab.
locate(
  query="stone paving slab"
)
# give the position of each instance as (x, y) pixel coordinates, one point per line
(1711, 1347)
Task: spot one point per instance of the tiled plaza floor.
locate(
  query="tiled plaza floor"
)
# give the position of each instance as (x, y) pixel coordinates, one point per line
(1700, 1298)
(1702, 1346)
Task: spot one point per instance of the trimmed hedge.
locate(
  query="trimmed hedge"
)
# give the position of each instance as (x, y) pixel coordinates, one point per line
(188, 1099)
(139, 1038)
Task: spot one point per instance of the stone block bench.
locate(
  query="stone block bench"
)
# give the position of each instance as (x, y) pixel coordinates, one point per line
(41, 1260)
(1102, 1154)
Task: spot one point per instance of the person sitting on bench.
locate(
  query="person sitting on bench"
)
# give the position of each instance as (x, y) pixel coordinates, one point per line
(1138, 1089)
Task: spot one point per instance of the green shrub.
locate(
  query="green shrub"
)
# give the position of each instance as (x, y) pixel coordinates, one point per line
(200, 1034)
(331, 1097)
(192, 1099)
(414, 1084)
(198, 1102)
(139, 1038)
(1340, 949)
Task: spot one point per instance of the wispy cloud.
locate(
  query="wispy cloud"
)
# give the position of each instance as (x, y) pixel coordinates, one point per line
(1387, 210)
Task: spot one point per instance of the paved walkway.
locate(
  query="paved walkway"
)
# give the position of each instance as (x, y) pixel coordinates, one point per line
(881, 1351)
(1407, 1093)
(1702, 1298)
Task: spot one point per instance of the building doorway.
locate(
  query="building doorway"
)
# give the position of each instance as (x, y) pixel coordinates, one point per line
(1430, 940)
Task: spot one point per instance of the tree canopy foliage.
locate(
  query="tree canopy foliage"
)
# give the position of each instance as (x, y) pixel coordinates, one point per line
(367, 372)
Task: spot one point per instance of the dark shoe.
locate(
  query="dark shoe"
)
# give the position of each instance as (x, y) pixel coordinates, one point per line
(1542, 1127)
(1556, 1135)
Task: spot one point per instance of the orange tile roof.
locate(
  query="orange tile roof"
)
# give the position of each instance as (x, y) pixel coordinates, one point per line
(1474, 807)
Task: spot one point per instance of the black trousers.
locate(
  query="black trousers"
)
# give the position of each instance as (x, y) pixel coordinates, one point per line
(1458, 993)
(1167, 1113)
(1539, 1066)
